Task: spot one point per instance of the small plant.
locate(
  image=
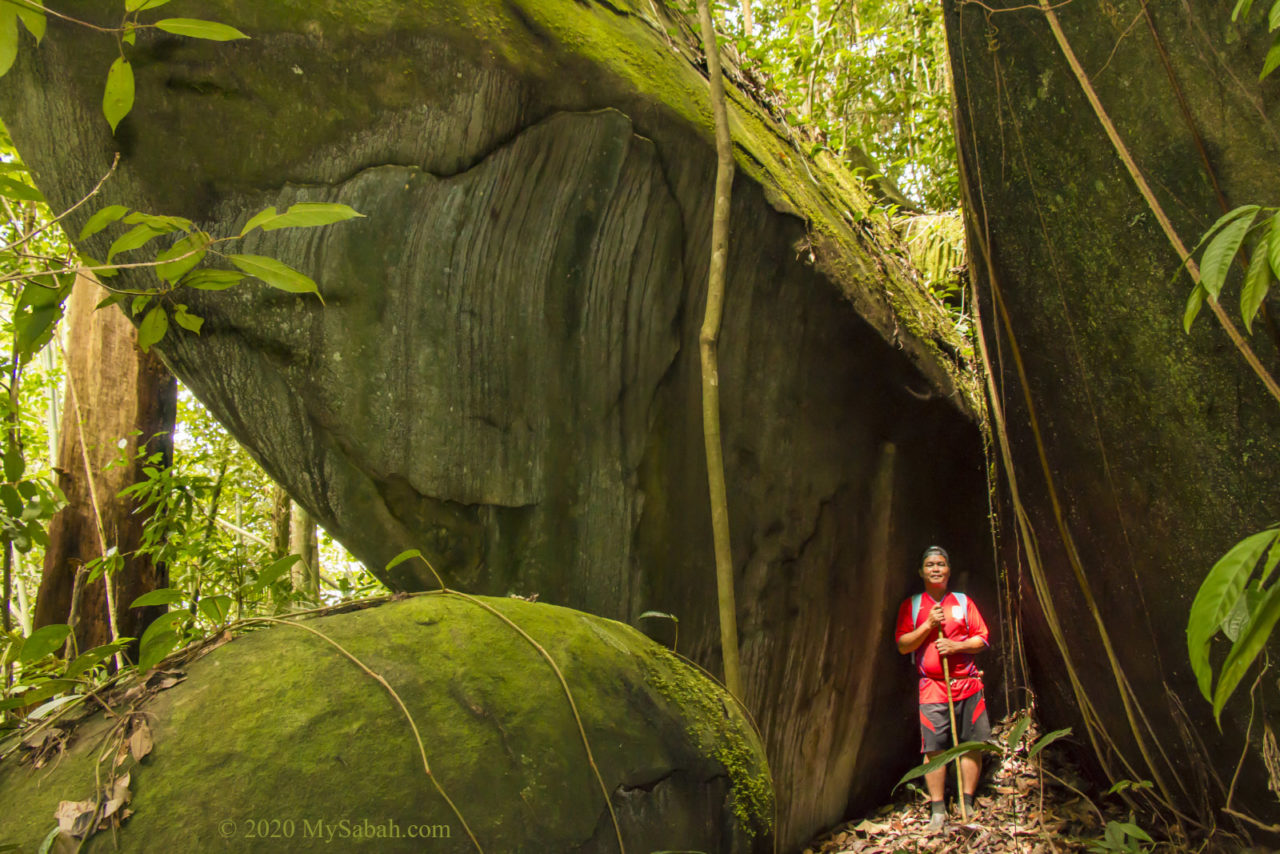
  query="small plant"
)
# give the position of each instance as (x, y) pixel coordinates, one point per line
(1123, 836)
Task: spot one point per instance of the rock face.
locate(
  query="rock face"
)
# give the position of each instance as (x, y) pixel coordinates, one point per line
(1160, 448)
(278, 741)
(505, 371)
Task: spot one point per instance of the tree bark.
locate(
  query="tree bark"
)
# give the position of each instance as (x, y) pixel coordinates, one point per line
(281, 522)
(306, 573)
(123, 394)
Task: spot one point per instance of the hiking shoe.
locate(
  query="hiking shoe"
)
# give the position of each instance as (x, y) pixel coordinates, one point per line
(937, 822)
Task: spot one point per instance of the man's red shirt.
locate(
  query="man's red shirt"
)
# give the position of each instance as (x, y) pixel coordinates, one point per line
(960, 623)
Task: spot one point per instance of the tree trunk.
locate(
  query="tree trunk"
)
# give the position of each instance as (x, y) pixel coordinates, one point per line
(281, 522)
(114, 392)
(306, 573)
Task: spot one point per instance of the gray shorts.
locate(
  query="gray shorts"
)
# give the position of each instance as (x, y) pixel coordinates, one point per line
(935, 723)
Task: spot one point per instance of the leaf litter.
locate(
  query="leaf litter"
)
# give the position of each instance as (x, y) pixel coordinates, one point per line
(1023, 806)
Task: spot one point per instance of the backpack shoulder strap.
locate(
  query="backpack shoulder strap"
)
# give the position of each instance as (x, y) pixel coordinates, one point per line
(964, 607)
(915, 608)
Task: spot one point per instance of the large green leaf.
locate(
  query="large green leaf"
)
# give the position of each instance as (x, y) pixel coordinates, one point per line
(273, 572)
(944, 757)
(43, 641)
(162, 596)
(1220, 252)
(8, 37)
(215, 609)
(1273, 245)
(143, 5)
(117, 97)
(182, 256)
(134, 238)
(43, 691)
(18, 191)
(303, 214)
(197, 29)
(275, 273)
(160, 638)
(152, 328)
(1272, 60)
(1194, 303)
(1256, 282)
(211, 280)
(32, 14)
(1217, 595)
(1046, 740)
(1247, 648)
(102, 219)
(95, 656)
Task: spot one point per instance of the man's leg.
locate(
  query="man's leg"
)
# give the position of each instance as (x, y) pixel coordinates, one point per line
(971, 768)
(936, 781)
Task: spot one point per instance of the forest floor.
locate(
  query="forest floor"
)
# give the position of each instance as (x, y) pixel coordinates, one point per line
(1024, 806)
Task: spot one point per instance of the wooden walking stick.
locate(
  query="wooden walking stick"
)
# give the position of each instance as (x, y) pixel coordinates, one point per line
(955, 738)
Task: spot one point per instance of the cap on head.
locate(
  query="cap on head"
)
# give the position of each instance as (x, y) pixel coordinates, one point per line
(935, 550)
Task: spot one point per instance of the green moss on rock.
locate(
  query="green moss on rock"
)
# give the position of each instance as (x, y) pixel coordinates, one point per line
(279, 732)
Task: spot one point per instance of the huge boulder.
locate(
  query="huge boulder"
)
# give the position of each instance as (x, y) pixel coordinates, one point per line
(505, 370)
(1142, 453)
(318, 736)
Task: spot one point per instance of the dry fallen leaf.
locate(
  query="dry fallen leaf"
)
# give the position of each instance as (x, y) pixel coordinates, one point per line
(75, 817)
(140, 742)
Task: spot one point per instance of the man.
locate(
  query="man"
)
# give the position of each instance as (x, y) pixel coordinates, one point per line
(935, 625)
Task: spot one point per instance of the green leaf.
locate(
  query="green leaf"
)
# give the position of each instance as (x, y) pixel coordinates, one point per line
(1046, 740)
(8, 37)
(102, 219)
(14, 464)
(1018, 731)
(108, 301)
(42, 692)
(144, 5)
(158, 222)
(160, 638)
(1273, 18)
(257, 220)
(43, 641)
(152, 328)
(19, 191)
(943, 758)
(12, 500)
(1272, 60)
(134, 238)
(1256, 283)
(46, 844)
(401, 558)
(1215, 598)
(188, 321)
(275, 273)
(1241, 10)
(1130, 830)
(39, 308)
(1273, 245)
(98, 268)
(273, 572)
(1238, 618)
(88, 660)
(1245, 650)
(1220, 252)
(117, 98)
(32, 14)
(161, 596)
(215, 609)
(303, 215)
(1194, 303)
(197, 29)
(211, 280)
(659, 615)
(139, 303)
(182, 256)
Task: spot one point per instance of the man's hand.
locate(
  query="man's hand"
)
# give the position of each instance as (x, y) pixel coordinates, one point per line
(936, 616)
(946, 646)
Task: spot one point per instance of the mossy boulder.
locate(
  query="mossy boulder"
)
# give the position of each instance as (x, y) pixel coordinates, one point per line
(277, 741)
